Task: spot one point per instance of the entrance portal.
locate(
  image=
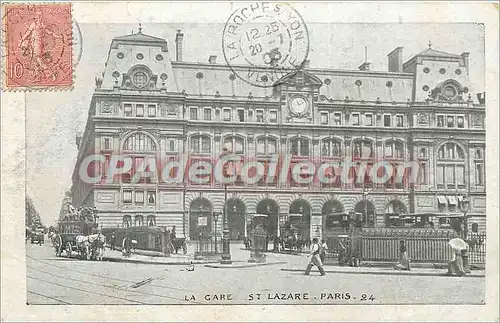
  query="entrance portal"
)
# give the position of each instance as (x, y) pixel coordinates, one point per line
(270, 208)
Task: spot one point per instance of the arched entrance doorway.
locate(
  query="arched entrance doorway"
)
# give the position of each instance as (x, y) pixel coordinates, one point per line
(200, 217)
(333, 215)
(236, 210)
(270, 208)
(367, 210)
(299, 217)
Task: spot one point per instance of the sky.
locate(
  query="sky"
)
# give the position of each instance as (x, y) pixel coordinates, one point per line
(54, 118)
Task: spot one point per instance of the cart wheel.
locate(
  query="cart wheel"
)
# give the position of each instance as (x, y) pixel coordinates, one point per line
(69, 250)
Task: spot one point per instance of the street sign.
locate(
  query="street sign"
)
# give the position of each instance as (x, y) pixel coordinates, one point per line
(202, 220)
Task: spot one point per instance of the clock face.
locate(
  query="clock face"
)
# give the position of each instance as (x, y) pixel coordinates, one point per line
(298, 105)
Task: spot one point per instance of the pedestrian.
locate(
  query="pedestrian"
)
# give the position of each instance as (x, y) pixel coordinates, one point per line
(323, 249)
(315, 260)
(404, 260)
(112, 241)
(455, 266)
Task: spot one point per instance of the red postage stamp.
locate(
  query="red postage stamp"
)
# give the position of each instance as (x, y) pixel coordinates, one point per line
(38, 51)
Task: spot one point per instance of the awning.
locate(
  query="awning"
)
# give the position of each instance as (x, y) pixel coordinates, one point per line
(260, 215)
(441, 199)
(452, 200)
(295, 214)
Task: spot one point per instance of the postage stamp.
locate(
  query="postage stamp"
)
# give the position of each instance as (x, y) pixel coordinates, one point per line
(38, 46)
(272, 36)
(248, 161)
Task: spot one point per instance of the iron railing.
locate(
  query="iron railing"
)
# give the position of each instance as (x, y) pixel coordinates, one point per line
(422, 246)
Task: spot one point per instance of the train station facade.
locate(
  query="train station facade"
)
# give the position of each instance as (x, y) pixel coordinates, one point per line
(148, 102)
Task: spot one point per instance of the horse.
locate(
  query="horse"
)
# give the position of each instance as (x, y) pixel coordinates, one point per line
(83, 246)
(97, 244)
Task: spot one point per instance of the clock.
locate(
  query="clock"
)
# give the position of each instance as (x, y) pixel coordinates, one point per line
(298, 105)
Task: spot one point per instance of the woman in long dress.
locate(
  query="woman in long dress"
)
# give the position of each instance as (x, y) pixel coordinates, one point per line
(456, 265)
(404, 260)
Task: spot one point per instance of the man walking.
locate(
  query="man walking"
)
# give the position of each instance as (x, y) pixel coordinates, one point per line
(315, 259)
(323, 250)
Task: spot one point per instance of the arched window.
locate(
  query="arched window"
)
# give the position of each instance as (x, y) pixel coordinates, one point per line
(201, 144)
(139, 220)
(266, 146)
(127, 221)
(362, 149)
(450, 166)
(140, 79)
(139, 142)
(331, 148)
(234, 144)
(393, 149)
(299, 146)
(151, 220)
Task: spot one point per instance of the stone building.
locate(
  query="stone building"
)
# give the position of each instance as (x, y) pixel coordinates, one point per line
(149, 102)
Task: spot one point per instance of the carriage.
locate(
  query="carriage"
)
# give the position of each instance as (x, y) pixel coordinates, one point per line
(73, 236)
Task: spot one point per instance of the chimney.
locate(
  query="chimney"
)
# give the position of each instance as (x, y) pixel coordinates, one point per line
(212, 59)
(395, 60)
(178, 46)
(364, 67)
(465, 56)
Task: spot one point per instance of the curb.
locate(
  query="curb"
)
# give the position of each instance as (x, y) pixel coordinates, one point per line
(395, 273)
(246, 265)
(137, 261)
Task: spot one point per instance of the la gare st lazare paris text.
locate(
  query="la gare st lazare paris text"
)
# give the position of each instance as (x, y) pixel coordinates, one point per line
(282, 296)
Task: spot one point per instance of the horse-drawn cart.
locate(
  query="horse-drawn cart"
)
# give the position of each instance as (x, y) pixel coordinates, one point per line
(73, 236)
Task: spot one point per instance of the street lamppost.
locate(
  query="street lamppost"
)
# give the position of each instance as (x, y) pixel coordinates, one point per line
(464, 207)
(365, 195)
(216, 217)
(226, 247)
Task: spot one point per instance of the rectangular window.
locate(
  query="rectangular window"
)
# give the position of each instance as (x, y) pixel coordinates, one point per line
(273, 116)
(127, 110)
(399, 121)
(422, 176)
(193, 113)
(139, 110)
(460, 175)
(260, 115)
(107, 144)
(195, 144)
(387, 120)
(127, 196)
(355, 119)
(337, 119)
(368, 119)
(440, 175)
(241, 115)
(170, 145)
(324, 117)
(139, 197)
(227, 115)
(450, 175)
(207, 114)
(152, 110)
(205, 145)
(440, 121)
(479, 174)
(460, 121)
(450, 121)
(151, 197)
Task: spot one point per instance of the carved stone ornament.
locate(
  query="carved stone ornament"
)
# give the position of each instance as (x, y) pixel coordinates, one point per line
(423, 119)
(477, 120)
(107, 106)
(172, 109)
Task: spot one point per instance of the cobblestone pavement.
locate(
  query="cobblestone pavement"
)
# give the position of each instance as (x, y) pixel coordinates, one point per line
(52, 280)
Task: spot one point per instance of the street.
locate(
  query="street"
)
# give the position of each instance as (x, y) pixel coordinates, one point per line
(53, 280)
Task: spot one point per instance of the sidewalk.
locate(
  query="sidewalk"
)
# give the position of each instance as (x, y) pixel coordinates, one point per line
(155, 258)
(388, 271)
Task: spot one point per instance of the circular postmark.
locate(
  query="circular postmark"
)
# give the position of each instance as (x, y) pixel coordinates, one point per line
(262, 42)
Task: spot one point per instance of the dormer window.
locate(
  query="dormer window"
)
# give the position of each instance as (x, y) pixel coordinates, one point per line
(140, 79)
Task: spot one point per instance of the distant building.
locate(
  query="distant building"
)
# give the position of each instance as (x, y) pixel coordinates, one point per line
(32, 217)
(148, 103)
